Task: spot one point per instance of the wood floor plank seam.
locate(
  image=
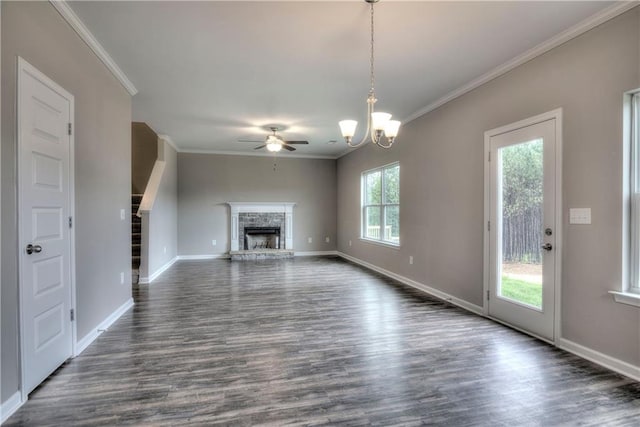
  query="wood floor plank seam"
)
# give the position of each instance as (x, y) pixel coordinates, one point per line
(318, 341)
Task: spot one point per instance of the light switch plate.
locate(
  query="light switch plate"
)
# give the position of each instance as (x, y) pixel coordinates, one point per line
(122, 214)
(580, 216)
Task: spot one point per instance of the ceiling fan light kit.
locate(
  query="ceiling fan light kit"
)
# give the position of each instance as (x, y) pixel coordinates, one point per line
(379, 124)
(274, 142)
(274, 146)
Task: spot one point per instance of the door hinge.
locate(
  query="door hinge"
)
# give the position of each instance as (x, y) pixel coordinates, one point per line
(73, 315)
(70, 222)
(489, 155)
(488, 295)
(488, 225)
(69, 129)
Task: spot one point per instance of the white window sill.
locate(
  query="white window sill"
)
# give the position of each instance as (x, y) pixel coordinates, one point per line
(626, 298)
(380, 243)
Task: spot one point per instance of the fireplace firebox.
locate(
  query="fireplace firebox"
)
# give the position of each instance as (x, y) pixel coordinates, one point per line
(261, 238)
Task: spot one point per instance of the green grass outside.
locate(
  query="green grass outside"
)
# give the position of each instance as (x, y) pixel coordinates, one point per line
(522, 291)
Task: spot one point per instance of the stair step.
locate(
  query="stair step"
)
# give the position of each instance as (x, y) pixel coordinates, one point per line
(136, 236)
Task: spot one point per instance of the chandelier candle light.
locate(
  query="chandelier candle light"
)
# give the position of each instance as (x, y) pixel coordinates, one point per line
(378, 123)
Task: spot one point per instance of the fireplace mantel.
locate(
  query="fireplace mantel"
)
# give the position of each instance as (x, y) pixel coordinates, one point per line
(261, 207)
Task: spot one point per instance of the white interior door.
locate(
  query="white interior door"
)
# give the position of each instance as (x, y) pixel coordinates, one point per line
(44, 141)
(522, 227)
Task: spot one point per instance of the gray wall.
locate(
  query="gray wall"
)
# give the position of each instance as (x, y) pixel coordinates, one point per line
(207, 181)
(35, 31)
(441, 158)
(163, 218)
(144, 152)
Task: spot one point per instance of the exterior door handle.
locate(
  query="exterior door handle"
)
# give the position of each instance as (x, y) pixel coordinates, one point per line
(33, 249)
(547, 246)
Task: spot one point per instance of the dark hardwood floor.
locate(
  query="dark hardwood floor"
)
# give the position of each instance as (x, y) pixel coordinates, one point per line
(315, 341)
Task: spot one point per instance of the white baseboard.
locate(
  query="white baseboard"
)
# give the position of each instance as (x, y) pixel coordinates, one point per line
(602, 359)
(197, 257)
(422, 287)
(158, 272)
(594, 356)
(103, 326)
(315, 253)
(11, 405)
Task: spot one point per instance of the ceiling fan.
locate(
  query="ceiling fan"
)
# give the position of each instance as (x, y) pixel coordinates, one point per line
(275, 143)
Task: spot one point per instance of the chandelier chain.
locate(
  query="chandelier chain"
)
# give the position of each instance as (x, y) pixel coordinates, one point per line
(371, 91)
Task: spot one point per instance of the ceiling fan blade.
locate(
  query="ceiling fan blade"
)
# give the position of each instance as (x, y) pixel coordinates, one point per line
(260, 146)
(296, 142)
(286, 147)
(251, 140)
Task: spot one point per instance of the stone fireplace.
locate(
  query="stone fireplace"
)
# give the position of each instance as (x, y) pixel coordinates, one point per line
(261, 226)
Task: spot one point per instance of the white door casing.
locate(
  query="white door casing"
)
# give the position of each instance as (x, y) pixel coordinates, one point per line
(544, 321)
(45, 205)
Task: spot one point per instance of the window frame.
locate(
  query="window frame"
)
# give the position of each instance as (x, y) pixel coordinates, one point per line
(629, 292)
(633, 130)
(382, 206)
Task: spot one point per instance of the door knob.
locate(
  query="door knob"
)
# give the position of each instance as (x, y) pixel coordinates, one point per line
(33, 249)
(547, 246)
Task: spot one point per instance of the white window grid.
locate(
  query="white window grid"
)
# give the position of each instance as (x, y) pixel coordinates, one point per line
(373, 232)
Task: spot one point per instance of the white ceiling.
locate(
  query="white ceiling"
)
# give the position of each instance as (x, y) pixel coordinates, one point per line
(209, 73)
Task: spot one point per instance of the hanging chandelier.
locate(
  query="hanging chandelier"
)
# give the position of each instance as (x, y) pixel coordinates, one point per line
(379, 124)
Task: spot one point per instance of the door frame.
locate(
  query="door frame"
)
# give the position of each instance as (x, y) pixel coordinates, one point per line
(24, 66)
(557, 115)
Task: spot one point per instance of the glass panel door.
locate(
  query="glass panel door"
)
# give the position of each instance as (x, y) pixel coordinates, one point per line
(521, 230)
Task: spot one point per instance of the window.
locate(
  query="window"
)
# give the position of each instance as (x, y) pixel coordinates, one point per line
(381, 204)
(634, 194)
(630, 289)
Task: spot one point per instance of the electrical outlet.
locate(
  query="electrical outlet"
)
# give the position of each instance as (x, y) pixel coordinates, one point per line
(122, 214)
(213, 243)
(411, 259)
(349, 242)
(122, 277)
(165, 249)
(309, 240)
(327, 239)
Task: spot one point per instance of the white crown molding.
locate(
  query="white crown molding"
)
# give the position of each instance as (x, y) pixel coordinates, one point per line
(563, 37)
(78, 26)
(170, 142)
(239, 153)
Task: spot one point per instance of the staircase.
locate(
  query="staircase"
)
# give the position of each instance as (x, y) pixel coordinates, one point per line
(136, 237)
